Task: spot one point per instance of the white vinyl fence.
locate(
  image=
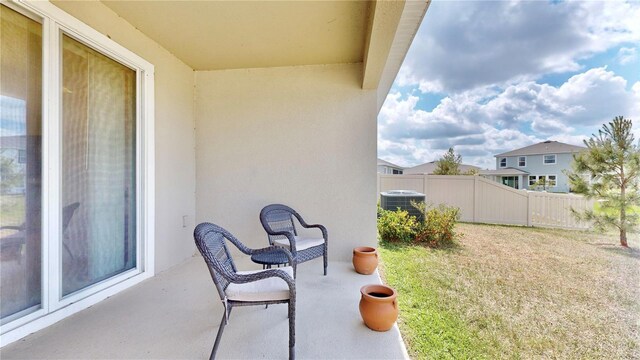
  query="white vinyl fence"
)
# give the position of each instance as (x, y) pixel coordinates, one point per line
(485, 201)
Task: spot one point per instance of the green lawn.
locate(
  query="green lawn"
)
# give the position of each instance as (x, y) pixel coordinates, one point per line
(12, 209)
(514, 292)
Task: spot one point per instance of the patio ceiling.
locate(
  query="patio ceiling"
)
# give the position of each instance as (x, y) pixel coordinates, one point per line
(218, 35)
(215, 35)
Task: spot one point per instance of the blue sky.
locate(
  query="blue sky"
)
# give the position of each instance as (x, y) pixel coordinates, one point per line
(491, 76)
(12, 116)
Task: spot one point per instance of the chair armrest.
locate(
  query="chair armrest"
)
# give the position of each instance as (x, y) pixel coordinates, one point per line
(325, 234)
(238, 244)
(304, 224)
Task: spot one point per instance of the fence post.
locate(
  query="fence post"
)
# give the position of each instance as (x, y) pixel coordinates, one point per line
(476, 201)
(529, 208)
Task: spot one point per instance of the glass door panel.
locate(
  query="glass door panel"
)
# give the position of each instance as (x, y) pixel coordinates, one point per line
(511, 181)
(98, 199)
(20, 164)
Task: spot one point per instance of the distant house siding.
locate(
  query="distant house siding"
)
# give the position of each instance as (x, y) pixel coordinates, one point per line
(383, 169)
(536, 167)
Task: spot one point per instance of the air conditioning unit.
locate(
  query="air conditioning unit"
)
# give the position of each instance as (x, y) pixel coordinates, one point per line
(394, 199)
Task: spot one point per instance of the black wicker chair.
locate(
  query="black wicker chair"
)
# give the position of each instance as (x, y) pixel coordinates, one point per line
(12, 244)
(277, 221)
(245, 288)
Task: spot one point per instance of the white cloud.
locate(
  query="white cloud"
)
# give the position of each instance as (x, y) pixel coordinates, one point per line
(486, 121)
(465, 44)
(627, 55)
(487, 56)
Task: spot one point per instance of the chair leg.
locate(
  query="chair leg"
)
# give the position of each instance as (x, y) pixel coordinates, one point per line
(292, 329)
(325, 263)
(223, 323)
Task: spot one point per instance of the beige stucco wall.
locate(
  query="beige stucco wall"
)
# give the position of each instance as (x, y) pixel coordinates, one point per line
(303, 136)
(174, 130)
(295, 135)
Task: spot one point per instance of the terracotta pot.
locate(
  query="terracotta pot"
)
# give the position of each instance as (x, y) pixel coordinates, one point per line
(365, 260)
(378, 307)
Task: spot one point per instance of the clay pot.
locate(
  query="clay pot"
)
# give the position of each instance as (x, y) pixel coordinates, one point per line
(378, 307)
(365, 260)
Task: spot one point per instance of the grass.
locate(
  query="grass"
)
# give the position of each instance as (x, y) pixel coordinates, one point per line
(12, 209)
(515, 292)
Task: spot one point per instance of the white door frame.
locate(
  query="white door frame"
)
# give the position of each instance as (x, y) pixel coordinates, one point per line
(53, 306)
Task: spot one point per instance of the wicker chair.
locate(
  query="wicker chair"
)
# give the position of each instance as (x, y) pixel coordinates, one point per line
(12, 244)
(245, 288)
(277, 221)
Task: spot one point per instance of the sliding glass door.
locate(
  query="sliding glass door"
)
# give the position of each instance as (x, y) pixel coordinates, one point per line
(98, 167)
(20, 164)
(76, 167)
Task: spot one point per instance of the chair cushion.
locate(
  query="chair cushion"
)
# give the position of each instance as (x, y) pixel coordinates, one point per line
(302, 243)
(269, 289)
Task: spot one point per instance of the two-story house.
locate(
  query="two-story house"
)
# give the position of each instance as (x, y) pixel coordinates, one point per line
(537, 166)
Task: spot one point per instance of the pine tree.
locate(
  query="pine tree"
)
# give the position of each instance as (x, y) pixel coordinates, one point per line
(449, 164)
(612, 163)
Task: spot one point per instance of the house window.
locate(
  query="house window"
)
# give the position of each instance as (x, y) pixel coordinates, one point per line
(399, 172)
(503, 162)
(522, 161)
(549, 159)
(511, 181)
(96, 170)
(543, 181)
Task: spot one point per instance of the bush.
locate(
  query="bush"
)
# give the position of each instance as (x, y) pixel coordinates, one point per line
(396, 226)
(438, 227)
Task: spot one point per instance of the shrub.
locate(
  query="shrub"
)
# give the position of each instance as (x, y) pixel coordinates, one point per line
(396, 226)
(438, 227)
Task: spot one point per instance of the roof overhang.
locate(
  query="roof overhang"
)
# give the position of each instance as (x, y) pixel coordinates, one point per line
(217, 35)
(392, 27)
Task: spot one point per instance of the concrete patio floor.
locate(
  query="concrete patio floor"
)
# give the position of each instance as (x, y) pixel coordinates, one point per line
(176, 314)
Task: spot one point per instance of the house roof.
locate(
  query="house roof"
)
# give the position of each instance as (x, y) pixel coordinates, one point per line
(386, 163)
(217, 35)
(545, 147)
(430, 167)
(504, 171)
